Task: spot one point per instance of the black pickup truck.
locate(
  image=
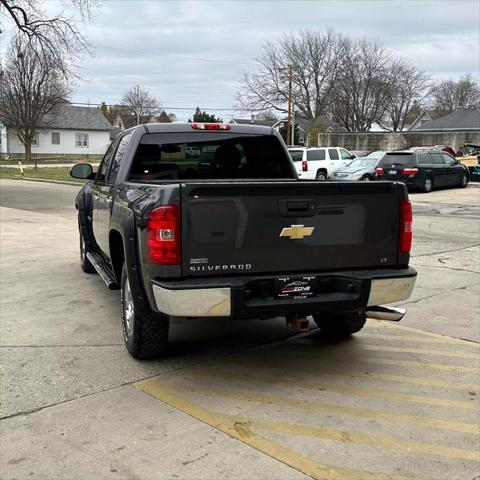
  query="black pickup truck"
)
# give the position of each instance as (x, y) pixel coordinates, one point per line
(209, 220)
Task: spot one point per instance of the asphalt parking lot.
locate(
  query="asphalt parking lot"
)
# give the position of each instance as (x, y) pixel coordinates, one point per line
(234, 400)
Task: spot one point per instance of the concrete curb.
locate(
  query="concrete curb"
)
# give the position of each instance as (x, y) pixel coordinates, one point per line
(43, 180)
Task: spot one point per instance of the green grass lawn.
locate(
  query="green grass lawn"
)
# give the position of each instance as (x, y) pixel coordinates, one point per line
(45, 173)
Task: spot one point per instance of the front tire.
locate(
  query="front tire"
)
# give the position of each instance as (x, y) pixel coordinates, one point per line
(366, 178)
(145, 334)
(464, 182)
(338, 326)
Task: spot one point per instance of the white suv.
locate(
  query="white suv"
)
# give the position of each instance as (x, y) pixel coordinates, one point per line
(319, 163)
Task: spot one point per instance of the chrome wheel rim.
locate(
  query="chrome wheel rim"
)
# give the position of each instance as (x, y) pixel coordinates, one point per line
(366, 179)
(129, 309)
(464, 180)
(428, 184)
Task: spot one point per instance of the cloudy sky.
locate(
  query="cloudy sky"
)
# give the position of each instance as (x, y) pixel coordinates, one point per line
(190, 53)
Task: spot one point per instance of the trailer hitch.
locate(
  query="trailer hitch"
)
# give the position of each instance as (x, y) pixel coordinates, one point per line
(298, 323)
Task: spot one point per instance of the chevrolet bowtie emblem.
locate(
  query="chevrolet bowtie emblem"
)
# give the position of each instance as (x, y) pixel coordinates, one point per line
(297, 232)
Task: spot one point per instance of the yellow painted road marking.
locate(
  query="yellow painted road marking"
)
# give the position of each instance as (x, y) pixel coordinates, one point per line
(393, 417)
(360, 438)
(421, 351)
(384, 377)
(390, 325)
(412, 338)
(364, 346)
(422, 365)
(362, 392)
(361, 358)
(244, 434)
(408, 363)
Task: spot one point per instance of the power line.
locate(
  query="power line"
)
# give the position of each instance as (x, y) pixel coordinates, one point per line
(177, 57)
(115, 105)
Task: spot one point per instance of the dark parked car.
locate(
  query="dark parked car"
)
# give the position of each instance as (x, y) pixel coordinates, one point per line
(423, 170)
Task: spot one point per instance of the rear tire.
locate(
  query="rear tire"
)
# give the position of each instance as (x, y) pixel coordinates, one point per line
(427, 185)
(338, 326)
(85, 263)
(321, 176)
(146, 334)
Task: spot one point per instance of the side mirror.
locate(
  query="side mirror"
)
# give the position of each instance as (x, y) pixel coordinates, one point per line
(353, 156)
(83, 171)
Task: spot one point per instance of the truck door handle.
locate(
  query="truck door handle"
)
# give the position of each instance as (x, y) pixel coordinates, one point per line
(296, 208)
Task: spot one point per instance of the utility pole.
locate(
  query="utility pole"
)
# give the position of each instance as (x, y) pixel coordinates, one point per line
(293, 125)
(289, 103)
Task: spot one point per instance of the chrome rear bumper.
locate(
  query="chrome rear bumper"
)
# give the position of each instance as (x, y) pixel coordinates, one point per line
(198, 302)
(390, 290)
(218, 301)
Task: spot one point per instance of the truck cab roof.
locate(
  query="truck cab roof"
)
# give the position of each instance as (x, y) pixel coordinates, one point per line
(188, 127)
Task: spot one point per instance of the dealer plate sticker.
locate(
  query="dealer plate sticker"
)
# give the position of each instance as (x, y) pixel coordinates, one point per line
(295, 287)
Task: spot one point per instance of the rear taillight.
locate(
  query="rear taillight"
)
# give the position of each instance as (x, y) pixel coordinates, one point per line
(211, 126)
(405, 226)
(380, 171)
(410, 171)
(163, 235)
(304, 166)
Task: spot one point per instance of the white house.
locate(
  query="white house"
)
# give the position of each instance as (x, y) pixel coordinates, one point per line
(70, 130)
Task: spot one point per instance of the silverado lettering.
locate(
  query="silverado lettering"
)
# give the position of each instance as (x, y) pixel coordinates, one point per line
(211, 268)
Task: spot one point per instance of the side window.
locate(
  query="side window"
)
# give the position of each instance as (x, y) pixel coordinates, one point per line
(55, 138)
(81, 140)
(103, 168)
(333, 153)
(117, 159)
(345, 155)
(36, 140)
(437, 158)
(447, 159)
(424, 159)
(315, 154)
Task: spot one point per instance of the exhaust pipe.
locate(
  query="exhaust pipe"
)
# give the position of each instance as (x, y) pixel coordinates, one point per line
(393, 314)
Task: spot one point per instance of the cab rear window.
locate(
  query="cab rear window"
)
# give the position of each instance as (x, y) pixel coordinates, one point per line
(209, 155)
(396, 159)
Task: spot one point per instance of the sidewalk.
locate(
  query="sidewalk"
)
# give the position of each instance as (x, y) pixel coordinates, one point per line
(44, 165)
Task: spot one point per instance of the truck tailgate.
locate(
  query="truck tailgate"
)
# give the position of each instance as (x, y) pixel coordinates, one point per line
(241, 227)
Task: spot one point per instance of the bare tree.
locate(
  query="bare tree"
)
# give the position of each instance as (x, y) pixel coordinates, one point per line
(313, 58)
(362, 91)
(31, 87)
(139, 102)
(451, 95)
(267, 115)
(55, 36)
(409, 88)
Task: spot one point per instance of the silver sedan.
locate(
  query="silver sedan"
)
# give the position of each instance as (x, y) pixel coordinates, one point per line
(360, 169)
